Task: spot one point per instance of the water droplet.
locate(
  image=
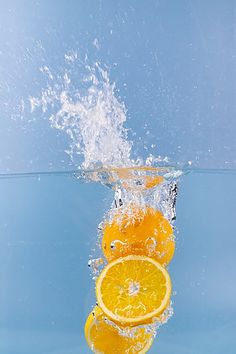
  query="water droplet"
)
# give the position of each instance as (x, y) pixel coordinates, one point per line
(95, 264)
(115, 243)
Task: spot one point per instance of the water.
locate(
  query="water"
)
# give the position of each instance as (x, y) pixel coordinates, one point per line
(82, 102)
(48, 227)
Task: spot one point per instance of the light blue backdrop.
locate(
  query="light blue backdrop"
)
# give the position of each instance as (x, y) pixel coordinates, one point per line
(174, 66)
(173, 63)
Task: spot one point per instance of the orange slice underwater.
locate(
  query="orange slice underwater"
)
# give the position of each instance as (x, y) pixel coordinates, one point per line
(138, 178)
(107, 338)
(133, 290)
(140, 232)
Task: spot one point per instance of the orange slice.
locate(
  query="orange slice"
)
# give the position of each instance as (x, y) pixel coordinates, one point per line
(152, 181)
(140, 232)
(133, 290)
(142, 183)
(137, 178)
(104, 337)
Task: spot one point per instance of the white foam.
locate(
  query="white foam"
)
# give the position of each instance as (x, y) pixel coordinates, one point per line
(93, 118)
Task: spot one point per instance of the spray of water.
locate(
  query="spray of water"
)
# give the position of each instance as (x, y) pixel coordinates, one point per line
(88, 110)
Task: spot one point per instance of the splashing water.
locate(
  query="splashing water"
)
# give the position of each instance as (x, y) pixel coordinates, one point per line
(89, 112)
(81, 100)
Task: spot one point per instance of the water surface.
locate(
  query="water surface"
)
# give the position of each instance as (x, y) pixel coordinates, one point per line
(48, 230)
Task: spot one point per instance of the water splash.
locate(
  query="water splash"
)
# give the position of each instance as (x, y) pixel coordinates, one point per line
(80, 100)
(89, 112)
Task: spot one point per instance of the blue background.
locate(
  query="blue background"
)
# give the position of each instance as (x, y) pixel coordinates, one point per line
(173, 63)
(174, 67)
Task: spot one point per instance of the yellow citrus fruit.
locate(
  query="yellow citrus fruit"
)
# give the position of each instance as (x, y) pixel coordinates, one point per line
(130, 179)
(136, 178)
(133, 290)
(141, 232)
(152, 181)
(107, 338)
(142, 183)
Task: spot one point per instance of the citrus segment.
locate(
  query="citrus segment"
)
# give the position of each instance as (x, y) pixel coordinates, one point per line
(137, 178)
(139, 232)
(106, 338)
(152, 181)
(142, 182)
(133, 290)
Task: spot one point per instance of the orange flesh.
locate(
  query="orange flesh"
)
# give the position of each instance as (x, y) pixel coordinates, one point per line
(105, 338)
(141, 232)
(133, 290)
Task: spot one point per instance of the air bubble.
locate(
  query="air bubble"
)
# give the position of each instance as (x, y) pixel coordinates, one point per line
(95, 264)
(115, 243)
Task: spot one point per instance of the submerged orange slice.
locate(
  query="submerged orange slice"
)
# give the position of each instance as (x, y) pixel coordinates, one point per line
(104, 337)
(140, 232)
(133, 290)
(131, 181)
(142, 183)
(152, 181)
(139, 178)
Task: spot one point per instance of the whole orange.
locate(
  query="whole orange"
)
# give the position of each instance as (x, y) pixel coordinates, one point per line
(138, 231)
